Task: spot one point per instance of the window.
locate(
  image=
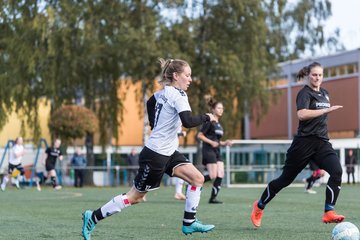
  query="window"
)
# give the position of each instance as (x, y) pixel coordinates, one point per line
(332, 72)
(342, 70)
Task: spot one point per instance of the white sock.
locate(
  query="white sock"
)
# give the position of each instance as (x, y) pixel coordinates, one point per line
(192, 198)
(5, 180)
(179, 185)
(20, 178)
(115, 205)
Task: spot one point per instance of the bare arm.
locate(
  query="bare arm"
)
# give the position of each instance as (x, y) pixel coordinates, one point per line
(44, 159)
(306, 114)
(226, 143)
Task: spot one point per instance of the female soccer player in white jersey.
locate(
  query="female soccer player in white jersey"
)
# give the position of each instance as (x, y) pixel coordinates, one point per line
(15, 163)
(168, 109)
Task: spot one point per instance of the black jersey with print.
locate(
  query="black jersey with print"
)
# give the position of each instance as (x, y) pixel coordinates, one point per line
(308, 98)
(213, 131)
(52, 155)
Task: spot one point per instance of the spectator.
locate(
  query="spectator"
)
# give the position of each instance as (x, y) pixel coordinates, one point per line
(350, 162)
(133, 162)
(78, 162)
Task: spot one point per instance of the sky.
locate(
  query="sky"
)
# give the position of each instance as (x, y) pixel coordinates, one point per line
(346, 16)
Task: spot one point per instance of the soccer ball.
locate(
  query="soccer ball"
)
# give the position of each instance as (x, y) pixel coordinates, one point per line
(345, 231)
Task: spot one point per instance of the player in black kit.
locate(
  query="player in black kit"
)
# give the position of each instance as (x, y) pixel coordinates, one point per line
(211, 134)
(51, 155)
(310, 143)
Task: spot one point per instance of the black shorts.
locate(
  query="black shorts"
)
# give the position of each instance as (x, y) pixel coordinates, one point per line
(211, 156)
(18, 167)
(153, 166)
(49, 166)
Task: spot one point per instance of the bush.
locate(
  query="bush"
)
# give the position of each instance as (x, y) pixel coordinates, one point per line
(71, 122)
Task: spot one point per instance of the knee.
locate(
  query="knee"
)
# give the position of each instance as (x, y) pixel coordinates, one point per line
(336, 174)
(212, 175)
(136, 199)
(197, 180)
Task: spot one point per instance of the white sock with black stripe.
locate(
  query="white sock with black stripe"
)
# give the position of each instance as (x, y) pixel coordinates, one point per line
(191, 204)
(115, 205)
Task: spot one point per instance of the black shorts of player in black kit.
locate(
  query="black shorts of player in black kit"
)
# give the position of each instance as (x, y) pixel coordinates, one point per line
(18, 167)
(49, 166)
(153, 166)
(210, 155)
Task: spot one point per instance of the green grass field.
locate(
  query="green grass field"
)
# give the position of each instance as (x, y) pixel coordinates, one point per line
(28, 214)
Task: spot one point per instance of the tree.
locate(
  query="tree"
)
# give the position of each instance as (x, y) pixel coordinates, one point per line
(54, 49)
(71, 122)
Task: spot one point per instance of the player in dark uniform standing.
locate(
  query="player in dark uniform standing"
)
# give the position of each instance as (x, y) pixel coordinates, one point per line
(211, 134)
(50, 157)
(310, 143)
(168, 109)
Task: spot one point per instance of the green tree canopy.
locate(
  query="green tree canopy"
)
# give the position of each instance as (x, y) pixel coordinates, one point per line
(58, 49)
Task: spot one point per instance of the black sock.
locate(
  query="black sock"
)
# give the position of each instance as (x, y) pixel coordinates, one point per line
(207, 178)
(190, 217)
(97, 215)
(43, 180)
(310, 181)
(53, 181)
(216, 187)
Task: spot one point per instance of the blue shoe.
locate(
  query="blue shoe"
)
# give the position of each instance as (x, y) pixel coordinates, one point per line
(197, 226)
(88, 225)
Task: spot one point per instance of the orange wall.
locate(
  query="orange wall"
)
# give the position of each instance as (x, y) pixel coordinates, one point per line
(132, 125)
(130, 131)
(11, 129)
(273, 124)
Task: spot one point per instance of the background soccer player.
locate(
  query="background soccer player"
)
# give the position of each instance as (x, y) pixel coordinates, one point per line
(310, 143)
(15, 163)
(51, 155)
(211, 134)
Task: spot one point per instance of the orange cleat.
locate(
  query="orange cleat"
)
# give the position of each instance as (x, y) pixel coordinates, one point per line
(256, 215)
(332, 217)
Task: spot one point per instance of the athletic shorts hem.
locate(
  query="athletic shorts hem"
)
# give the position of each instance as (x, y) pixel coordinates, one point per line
(178, 165)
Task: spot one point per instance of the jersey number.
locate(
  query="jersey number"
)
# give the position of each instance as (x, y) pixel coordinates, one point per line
(158, 108)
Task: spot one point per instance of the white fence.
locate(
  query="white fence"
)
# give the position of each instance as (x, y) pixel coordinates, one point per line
(246, 162)
(259, 161)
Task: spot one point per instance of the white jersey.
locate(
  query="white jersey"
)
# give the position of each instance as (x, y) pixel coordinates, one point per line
(170, 101)
(17, 149)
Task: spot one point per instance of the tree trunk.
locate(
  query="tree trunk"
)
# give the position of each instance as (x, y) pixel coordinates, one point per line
(89, 144)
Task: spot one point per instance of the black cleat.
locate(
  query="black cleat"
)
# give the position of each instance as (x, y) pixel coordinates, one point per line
(215, 201)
